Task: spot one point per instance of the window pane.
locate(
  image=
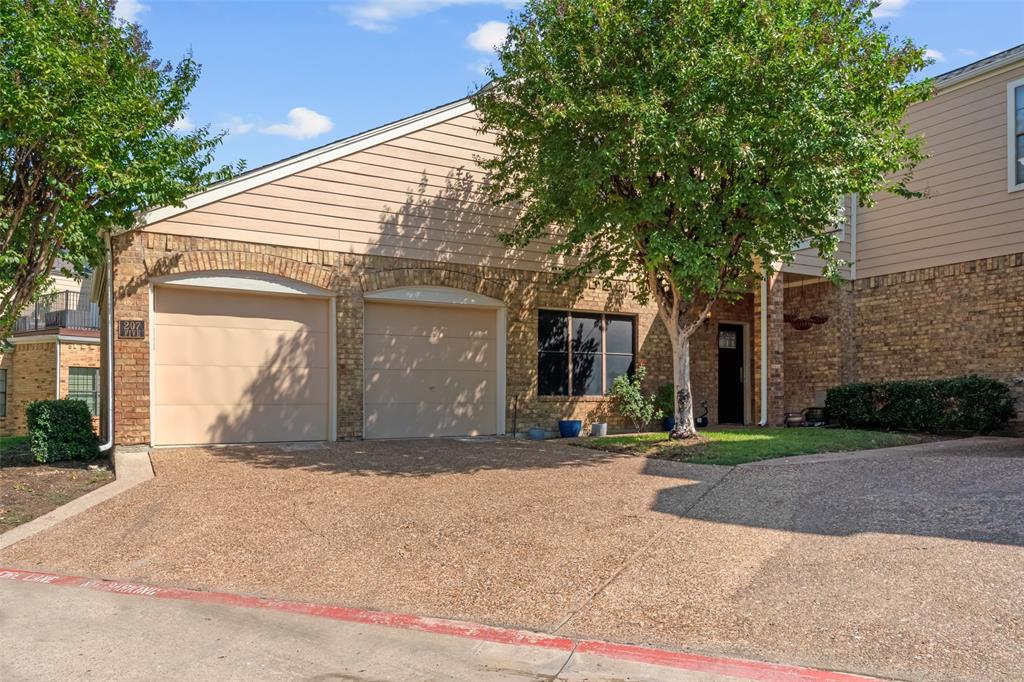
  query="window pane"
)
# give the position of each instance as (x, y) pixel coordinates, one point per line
(552, 331)
(619, 335)
(586, 374)
(552, 373)
(1020, 159)
(1020, 121)
(1020, 98)
(586, 333)
(617, 365)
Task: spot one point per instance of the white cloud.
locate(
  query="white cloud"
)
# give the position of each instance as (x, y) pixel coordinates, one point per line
(382, 15)
(129, 10)
(936, 55)
(236, 125)
(302, 124)
(890, 8)
(965, 52)
(183, 124)
(488, 36)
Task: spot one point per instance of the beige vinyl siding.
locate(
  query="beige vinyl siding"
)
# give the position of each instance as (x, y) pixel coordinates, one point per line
(967, 212)
(416, 196)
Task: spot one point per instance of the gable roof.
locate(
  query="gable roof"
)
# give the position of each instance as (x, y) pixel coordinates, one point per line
(982, 66)
(311, 158)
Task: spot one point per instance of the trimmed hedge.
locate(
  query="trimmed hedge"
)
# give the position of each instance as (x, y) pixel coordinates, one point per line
(61, 429)
(971, 403)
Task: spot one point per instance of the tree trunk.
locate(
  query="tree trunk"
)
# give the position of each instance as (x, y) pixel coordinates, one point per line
(683, 407)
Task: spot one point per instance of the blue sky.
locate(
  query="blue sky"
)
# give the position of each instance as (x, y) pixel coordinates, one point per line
(286, 76)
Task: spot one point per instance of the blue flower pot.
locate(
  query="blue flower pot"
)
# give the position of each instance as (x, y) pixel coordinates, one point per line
(570, 428)
(670, 423)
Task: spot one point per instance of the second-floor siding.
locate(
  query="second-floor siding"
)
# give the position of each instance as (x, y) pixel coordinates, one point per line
(967, 211)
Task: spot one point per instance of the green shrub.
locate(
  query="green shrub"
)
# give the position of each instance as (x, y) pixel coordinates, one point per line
(971, 403)
(665, 399)
(60, 429)
(633, 403)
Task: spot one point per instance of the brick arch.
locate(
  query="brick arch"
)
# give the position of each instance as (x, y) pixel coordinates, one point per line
(261, 263)
(419, 277)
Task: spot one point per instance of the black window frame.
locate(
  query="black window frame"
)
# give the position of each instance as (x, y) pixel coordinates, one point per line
(3, 393)
(90, 397)
(567, 387)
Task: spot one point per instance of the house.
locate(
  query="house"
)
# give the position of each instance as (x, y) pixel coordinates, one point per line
(54, 352)
(358, 291)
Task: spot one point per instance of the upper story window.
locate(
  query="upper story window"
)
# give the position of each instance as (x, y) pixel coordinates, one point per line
(1015, 119)
(582, 353)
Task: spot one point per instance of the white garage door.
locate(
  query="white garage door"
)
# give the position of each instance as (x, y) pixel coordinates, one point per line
(235, 367)
(429, 371)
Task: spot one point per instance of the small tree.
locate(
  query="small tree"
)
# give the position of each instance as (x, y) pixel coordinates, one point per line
(90, 133)
(635, 405)
(685, 146)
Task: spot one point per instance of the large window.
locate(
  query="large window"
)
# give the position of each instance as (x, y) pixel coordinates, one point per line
(582, 353)
(1015, 120)
(84, 384)
(3, 392)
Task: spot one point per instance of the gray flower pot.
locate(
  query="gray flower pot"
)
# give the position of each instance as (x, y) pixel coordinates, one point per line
(599, 429)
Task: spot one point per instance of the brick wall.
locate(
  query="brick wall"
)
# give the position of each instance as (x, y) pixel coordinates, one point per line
(944, 321)
(812, 356)
(31, 375)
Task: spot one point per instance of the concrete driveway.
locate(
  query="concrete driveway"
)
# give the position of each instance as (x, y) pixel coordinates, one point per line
(902, 563)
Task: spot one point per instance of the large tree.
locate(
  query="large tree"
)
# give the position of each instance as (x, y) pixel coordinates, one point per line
(685, 146)
(91, 131)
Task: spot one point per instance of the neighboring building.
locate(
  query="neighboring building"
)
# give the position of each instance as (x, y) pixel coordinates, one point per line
(54, 352)
(359, 290)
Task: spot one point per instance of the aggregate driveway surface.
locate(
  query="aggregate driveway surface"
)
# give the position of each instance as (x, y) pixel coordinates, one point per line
(907, 562)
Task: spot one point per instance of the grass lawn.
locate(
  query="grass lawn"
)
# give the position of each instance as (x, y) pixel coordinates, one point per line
(748, 444)
(9, 444)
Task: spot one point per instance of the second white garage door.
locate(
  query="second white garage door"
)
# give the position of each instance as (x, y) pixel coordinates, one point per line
(232, 367)
(429, 371)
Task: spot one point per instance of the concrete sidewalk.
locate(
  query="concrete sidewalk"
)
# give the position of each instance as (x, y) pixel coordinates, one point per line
(81, 631)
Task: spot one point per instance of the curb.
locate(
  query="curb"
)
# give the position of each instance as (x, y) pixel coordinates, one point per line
(742, 669)
(131, 467)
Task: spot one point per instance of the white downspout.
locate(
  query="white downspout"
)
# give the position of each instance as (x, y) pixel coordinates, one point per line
(764, 352)
(57, 343)
(853, 235)
(109, 350)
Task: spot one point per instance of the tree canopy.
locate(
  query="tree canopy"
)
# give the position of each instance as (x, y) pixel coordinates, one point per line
(686, 145)
(90, 134)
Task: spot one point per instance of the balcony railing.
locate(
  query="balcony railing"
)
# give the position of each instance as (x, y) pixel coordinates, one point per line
(59, 310)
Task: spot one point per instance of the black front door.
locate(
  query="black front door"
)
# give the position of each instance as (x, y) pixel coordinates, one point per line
(730, 374)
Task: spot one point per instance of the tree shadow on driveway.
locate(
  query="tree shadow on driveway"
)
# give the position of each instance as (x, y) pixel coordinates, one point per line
(413, 458)
(961, 491)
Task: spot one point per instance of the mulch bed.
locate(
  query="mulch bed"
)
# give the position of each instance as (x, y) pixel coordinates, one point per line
(28, 490)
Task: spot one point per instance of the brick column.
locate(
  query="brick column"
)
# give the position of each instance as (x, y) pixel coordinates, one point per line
(131, 356)
(776, 356)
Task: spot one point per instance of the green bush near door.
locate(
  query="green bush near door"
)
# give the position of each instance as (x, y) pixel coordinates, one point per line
(61, 430)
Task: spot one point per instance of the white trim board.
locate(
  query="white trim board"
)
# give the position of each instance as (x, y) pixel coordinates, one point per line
(435, 295)
(241, 280)
(1011, 136)
(53, 338)
(310, 159)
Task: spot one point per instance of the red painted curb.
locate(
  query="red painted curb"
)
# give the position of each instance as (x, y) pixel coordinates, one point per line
(736, 667)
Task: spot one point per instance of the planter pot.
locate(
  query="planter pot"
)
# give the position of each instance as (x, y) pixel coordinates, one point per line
(570, 428)
(536, 433)
(599, 429)
(670, 423)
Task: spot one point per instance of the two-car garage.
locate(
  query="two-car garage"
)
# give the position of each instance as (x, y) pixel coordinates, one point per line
(236, 360)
